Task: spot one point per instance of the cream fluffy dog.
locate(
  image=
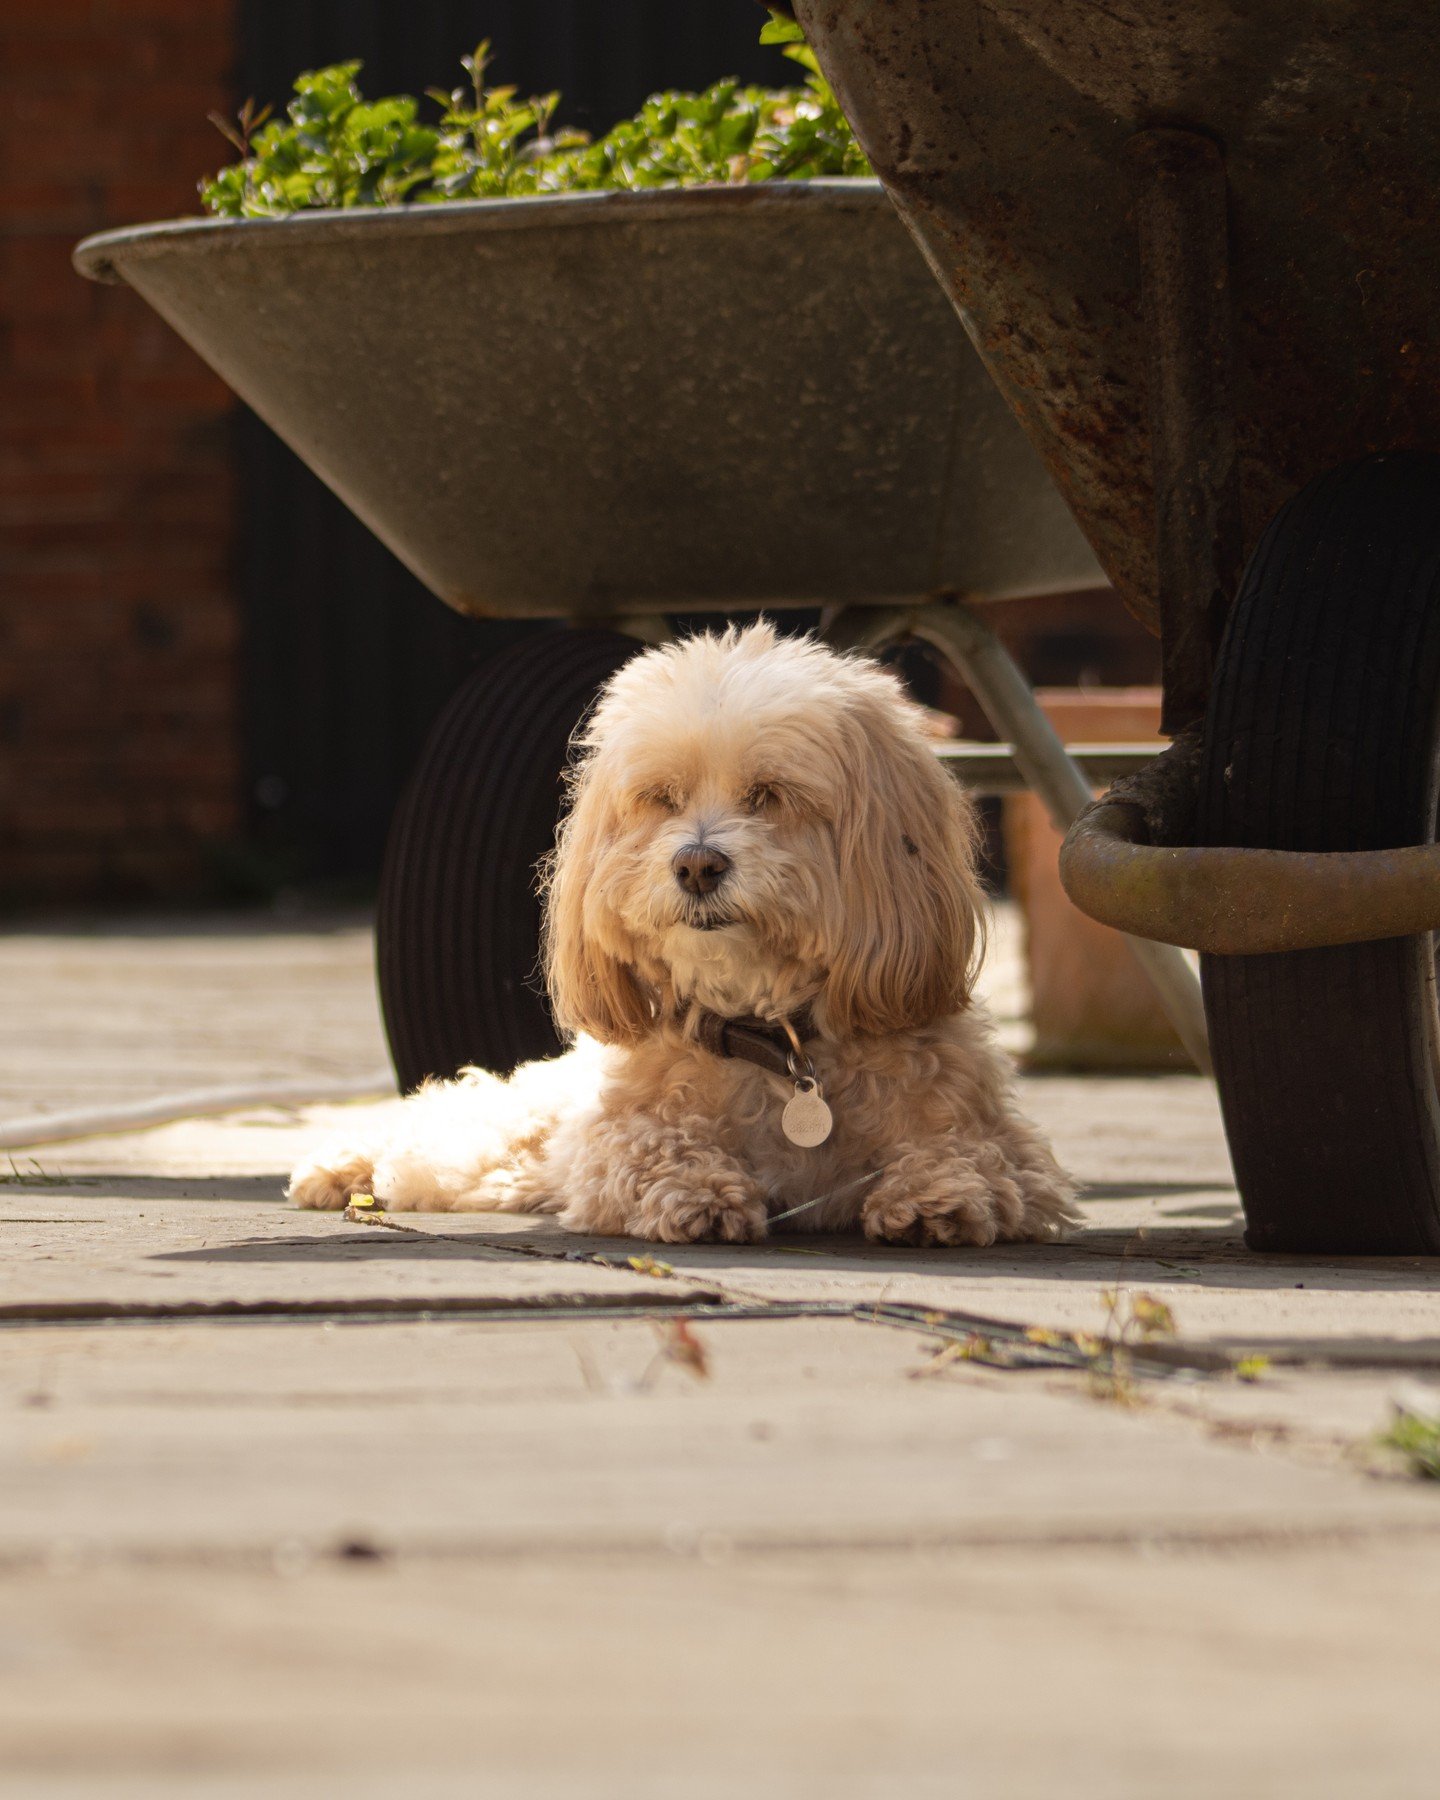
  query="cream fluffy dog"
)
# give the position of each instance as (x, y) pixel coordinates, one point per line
(758, 830)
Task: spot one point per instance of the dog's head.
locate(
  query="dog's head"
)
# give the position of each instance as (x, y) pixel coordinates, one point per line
(757, 823)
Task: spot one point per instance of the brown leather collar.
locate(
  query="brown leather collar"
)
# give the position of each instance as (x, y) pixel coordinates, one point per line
(751, 1040)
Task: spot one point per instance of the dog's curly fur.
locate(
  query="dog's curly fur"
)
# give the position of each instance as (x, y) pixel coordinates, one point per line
(850, 891)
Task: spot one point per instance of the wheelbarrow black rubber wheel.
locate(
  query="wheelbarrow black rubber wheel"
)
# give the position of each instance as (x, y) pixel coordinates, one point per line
(458, 921)
(1322, 734)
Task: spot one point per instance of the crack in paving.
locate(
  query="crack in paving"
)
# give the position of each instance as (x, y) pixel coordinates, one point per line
(980, 1338)
(986, 1341)
(295, 1554)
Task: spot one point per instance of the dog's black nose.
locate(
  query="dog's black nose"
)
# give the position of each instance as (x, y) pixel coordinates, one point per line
(699, 869)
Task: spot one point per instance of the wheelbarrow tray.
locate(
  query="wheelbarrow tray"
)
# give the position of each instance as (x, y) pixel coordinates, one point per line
(594, 405)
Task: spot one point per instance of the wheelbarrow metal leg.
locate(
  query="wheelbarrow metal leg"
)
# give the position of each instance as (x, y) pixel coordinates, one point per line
(1183, 215)
(996, 681)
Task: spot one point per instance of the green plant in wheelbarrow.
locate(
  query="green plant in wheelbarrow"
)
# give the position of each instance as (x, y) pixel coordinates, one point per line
(335, 148)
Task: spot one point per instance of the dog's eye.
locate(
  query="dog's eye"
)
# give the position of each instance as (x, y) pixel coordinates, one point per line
(758, 796)
(664, 797)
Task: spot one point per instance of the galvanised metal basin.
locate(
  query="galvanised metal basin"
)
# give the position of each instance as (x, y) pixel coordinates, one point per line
(593, 405)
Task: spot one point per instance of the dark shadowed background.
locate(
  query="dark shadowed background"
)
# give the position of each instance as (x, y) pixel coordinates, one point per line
(212, 679)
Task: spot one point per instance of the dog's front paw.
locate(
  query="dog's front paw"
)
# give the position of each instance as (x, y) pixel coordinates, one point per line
(959, 1212)
(326, 1183)
(723, 1212)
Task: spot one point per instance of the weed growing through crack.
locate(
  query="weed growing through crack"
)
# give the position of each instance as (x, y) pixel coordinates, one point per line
(1131, 1319)
(1417, 1440)
(31, 1176)
(1251, 1368)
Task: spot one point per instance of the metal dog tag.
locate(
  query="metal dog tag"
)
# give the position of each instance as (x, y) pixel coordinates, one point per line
(807, 1120)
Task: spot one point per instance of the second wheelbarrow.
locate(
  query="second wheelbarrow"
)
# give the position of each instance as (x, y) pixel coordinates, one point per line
(606, 409)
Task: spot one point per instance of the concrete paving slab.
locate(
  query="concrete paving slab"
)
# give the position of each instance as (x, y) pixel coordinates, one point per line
(577, 1436)
(114, 1234)
(1149, 1224)
(234, 1243)
(110, 1010)
(1002, 1674)
(435, 1555)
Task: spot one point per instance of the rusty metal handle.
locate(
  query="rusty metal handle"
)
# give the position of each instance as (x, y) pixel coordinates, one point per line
(1009, 702)
(1243, 902)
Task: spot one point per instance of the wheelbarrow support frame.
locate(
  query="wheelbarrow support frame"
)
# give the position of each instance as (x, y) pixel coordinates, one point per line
(1128, 860)
(1185, 285)
(1008, 701)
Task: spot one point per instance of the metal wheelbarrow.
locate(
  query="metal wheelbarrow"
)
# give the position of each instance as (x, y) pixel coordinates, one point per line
(1198, 247)
(607, 409)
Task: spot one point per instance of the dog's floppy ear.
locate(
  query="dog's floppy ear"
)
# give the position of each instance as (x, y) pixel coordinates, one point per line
(910, 924)
(591, 983)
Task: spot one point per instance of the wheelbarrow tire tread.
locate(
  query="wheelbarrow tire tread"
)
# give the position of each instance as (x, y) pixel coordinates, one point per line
(457, 935)
(1322, 734)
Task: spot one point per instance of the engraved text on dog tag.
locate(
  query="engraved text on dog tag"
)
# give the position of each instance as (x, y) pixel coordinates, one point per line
(806, 1120)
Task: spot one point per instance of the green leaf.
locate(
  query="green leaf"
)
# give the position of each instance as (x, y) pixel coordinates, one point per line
(781, 30)
(332, 147)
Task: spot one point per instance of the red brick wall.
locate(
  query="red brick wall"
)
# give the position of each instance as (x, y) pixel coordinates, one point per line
(118, 614)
